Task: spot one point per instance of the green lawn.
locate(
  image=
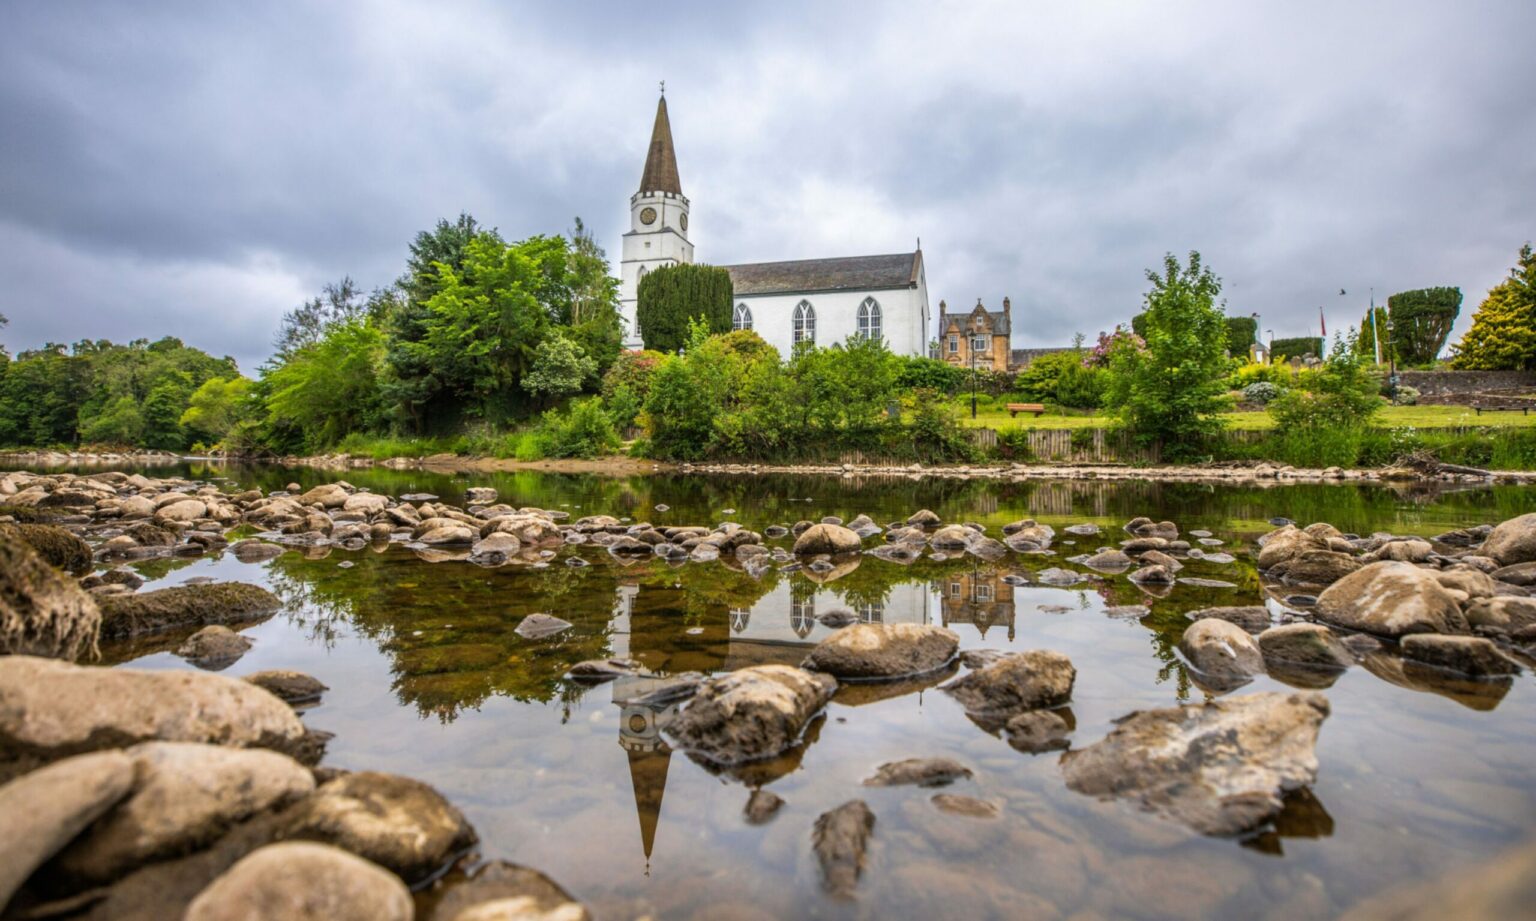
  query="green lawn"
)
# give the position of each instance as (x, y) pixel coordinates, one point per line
(1424, 417)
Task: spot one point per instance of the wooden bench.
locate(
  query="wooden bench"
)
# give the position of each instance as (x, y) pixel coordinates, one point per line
(1015, 408)
(1523, 409)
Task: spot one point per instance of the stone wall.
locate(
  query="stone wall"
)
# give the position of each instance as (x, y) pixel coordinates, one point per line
(1467, 383)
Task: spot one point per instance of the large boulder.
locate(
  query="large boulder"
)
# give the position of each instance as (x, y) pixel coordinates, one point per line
(185, 794)
(41, 612)
(58, 547)
(874, 651)
(42, 811)
(840, 839)
(299, 881)
(1513, 541)
(1467, 655)
(185, 606)
(326, 495)
(1285, 543)
(827, 538)
(182, 510)
(1219, 767)
(396, 822)
(1391, 599)
(51, 710)
(1315, 567)
(1305, 645)
(1223, 654)
(752, 713)
(1013, 683)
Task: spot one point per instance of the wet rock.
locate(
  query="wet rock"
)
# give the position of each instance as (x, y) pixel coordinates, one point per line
(922, 772)
(876, 651)
(840, 839)
(41, 612)
(1037, 731)
(924, 519)
(968, 806)
(1159, 558)
(1058, 576)
(1502, 614)
(1109, 561)
(539, 626)
(126, 578)
(252, 550)
(1470, 582)
(1219, 767)
(1014, 683)
(630, 547)
(952, 537)
(1466, 655)
(496, 542)
(398, 823)
(185, 606)
(1083, 530)
(299, 881)
(56, 546)
(50, 710)
(1517, 574)
(326, 495)
(838, 618)
(43, 811)
(596, 671)
(1314, 567)
(752, 713)
(1129, 611)
(453, 533)
(762, 806)
(1407, 550)
(1512, 542)
(184, 795)
(827, 538)
(1391, 599)
(1285, 543)
(214, 648)
(288, 686)
(1223, 653)
(1152, 575)
(1139, 545)
(1306, 645)
(502, 891)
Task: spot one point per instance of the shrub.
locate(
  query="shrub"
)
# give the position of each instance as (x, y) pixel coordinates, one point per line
(633, 369)
(1063, 379)
(668, 298)
(1296, 347)
(1421, 321)
(914, 373)
(1261, 392)
(935, 428)
(1253, 372)
(583, 430)
(623, 406)
(1013, 444)
(1406, 396)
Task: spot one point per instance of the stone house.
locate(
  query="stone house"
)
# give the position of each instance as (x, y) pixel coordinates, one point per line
(979, 332)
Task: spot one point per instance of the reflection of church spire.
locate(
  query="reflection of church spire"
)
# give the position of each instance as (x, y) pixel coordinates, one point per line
(649, 755)
(648, 775)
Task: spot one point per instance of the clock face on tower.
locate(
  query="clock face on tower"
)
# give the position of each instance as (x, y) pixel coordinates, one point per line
(647, 216)
(682, 221)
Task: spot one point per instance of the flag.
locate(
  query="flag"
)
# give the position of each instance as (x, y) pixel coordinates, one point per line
(1322, 322)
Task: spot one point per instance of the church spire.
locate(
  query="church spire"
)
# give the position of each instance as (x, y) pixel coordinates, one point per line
(661, 162)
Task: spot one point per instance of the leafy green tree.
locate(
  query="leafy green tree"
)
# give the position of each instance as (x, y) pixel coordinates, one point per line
(162, 410)
(217, 408)
(669, 297)
(120, 423)
(917, 372)
(328, 389)
(1063, 378)
(1342, 393)
(847, 387)
(559, 367)
(1503, 333)
(1172, 391)
(1421, 321)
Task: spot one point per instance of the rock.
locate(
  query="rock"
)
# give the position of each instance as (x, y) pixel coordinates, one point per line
(50, 710)
(1139, 545)
(446, 535)
(1307, 645)
(43, 811)
(1407, 550)
(298, 881)
(1500, 888)
(655, 692)
(507, 892)
(1315, 567)
(1518, 574)
(185, 794)
(1512, 542)
(214, 648)
(752, 713)
(827, 538)
(875, 651)
(1032, 537)
(480, 495)
(922, 772)
(288, 686)
(924, 519)
(57, 547)
(41, 612)
(252, 550)
(1135, 611)
(1146, 527)
(1223, 653)
(185, 606)
(596, 671)
(398, 823)
(1159, 558)
(1285, 543)
(181, 510)
(1037, 731)
(762, 806)
(326, 495)
(539, 626)
(1253, 618)
(967, 806)
(497, 542)
(952, 537)
(1152, 575)
(1466, 655)
(1014, 683)
(1055, 575)
(837, 618)
(1083, 530)
(1109, 561)
(1391, 599)
(1219, 767)
(839, 839)
(988, 549)
(1501, 614)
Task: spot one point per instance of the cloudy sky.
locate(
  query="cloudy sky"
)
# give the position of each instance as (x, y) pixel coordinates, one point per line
(197, 169)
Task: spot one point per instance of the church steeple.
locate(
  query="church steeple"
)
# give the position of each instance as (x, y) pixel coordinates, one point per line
(661, 162)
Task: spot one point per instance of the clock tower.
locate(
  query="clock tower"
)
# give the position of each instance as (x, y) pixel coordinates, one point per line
(658, 223)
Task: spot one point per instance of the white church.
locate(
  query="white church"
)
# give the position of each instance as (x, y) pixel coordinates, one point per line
(822, 301)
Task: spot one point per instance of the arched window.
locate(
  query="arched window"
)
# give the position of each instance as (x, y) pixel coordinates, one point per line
(742, 318)
(805, 323)
(869, 319)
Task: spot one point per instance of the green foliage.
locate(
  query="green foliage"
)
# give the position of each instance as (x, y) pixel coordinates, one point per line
(1062, 378)
(669, 297)
(1296, 347)
(1503, 333)
(1373, 330)
(585, 429)
(935, 429)
(119, 423)
(1253, 373)
(1421, 321)
(1330, 406)
(1242, 332)
(328, 389)
(632, 370)
(218, 408)
(917, 373)
(1261, 392)
(559, 367)
(1172, 391)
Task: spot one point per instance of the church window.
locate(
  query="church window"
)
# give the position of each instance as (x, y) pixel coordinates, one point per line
(742, 318)
(954, 345)
(869, 319)
(805, 323)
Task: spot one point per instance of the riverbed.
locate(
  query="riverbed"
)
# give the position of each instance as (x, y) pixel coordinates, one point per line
(428, 679)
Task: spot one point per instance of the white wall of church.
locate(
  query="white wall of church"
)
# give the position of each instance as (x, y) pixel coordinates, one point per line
(648, 247)
(903, 320)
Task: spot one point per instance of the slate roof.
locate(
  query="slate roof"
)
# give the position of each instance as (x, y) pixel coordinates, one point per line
(1000, 322)
(661, 161)
(851, 273)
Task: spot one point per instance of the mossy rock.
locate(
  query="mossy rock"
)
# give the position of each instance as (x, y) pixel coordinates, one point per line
(42, 613)
(185, 606)
(26, 514)
(55, 545)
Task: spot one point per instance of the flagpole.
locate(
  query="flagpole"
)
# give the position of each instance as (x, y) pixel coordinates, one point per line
(1375, 329)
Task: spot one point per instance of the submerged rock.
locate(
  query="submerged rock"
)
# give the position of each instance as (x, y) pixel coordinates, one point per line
(752, 713)
(827, 538)
(1253, 618)
(503, 891)
(1014, 683)
(1219, 767)
(967, 806)
(41, 612)
(185, 606)
(299, 881)
(539, 626)
(214, 648)
(288, 686)
(1224, 654)
(1152, 575)
(922, 772)
(840, 839)
(252, 550)
(876, 651)
(1037, 731)
(1467, 655)
(762, 806)
(43, 811)
(1391, 599)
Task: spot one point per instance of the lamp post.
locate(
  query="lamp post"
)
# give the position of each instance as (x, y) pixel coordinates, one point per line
(973, 377)
(1391, 362)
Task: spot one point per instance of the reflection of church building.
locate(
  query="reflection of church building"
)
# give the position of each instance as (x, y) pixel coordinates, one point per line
(978, 597)
(782, 625)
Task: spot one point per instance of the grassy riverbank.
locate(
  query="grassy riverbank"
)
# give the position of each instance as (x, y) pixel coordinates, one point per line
(994, 415)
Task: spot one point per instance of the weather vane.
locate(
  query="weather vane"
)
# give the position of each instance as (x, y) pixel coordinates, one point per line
(663, 87)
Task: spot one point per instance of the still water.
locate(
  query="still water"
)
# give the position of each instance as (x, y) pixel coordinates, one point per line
(429, 680)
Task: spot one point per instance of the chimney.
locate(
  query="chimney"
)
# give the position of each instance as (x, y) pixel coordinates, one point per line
(1006, 307)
